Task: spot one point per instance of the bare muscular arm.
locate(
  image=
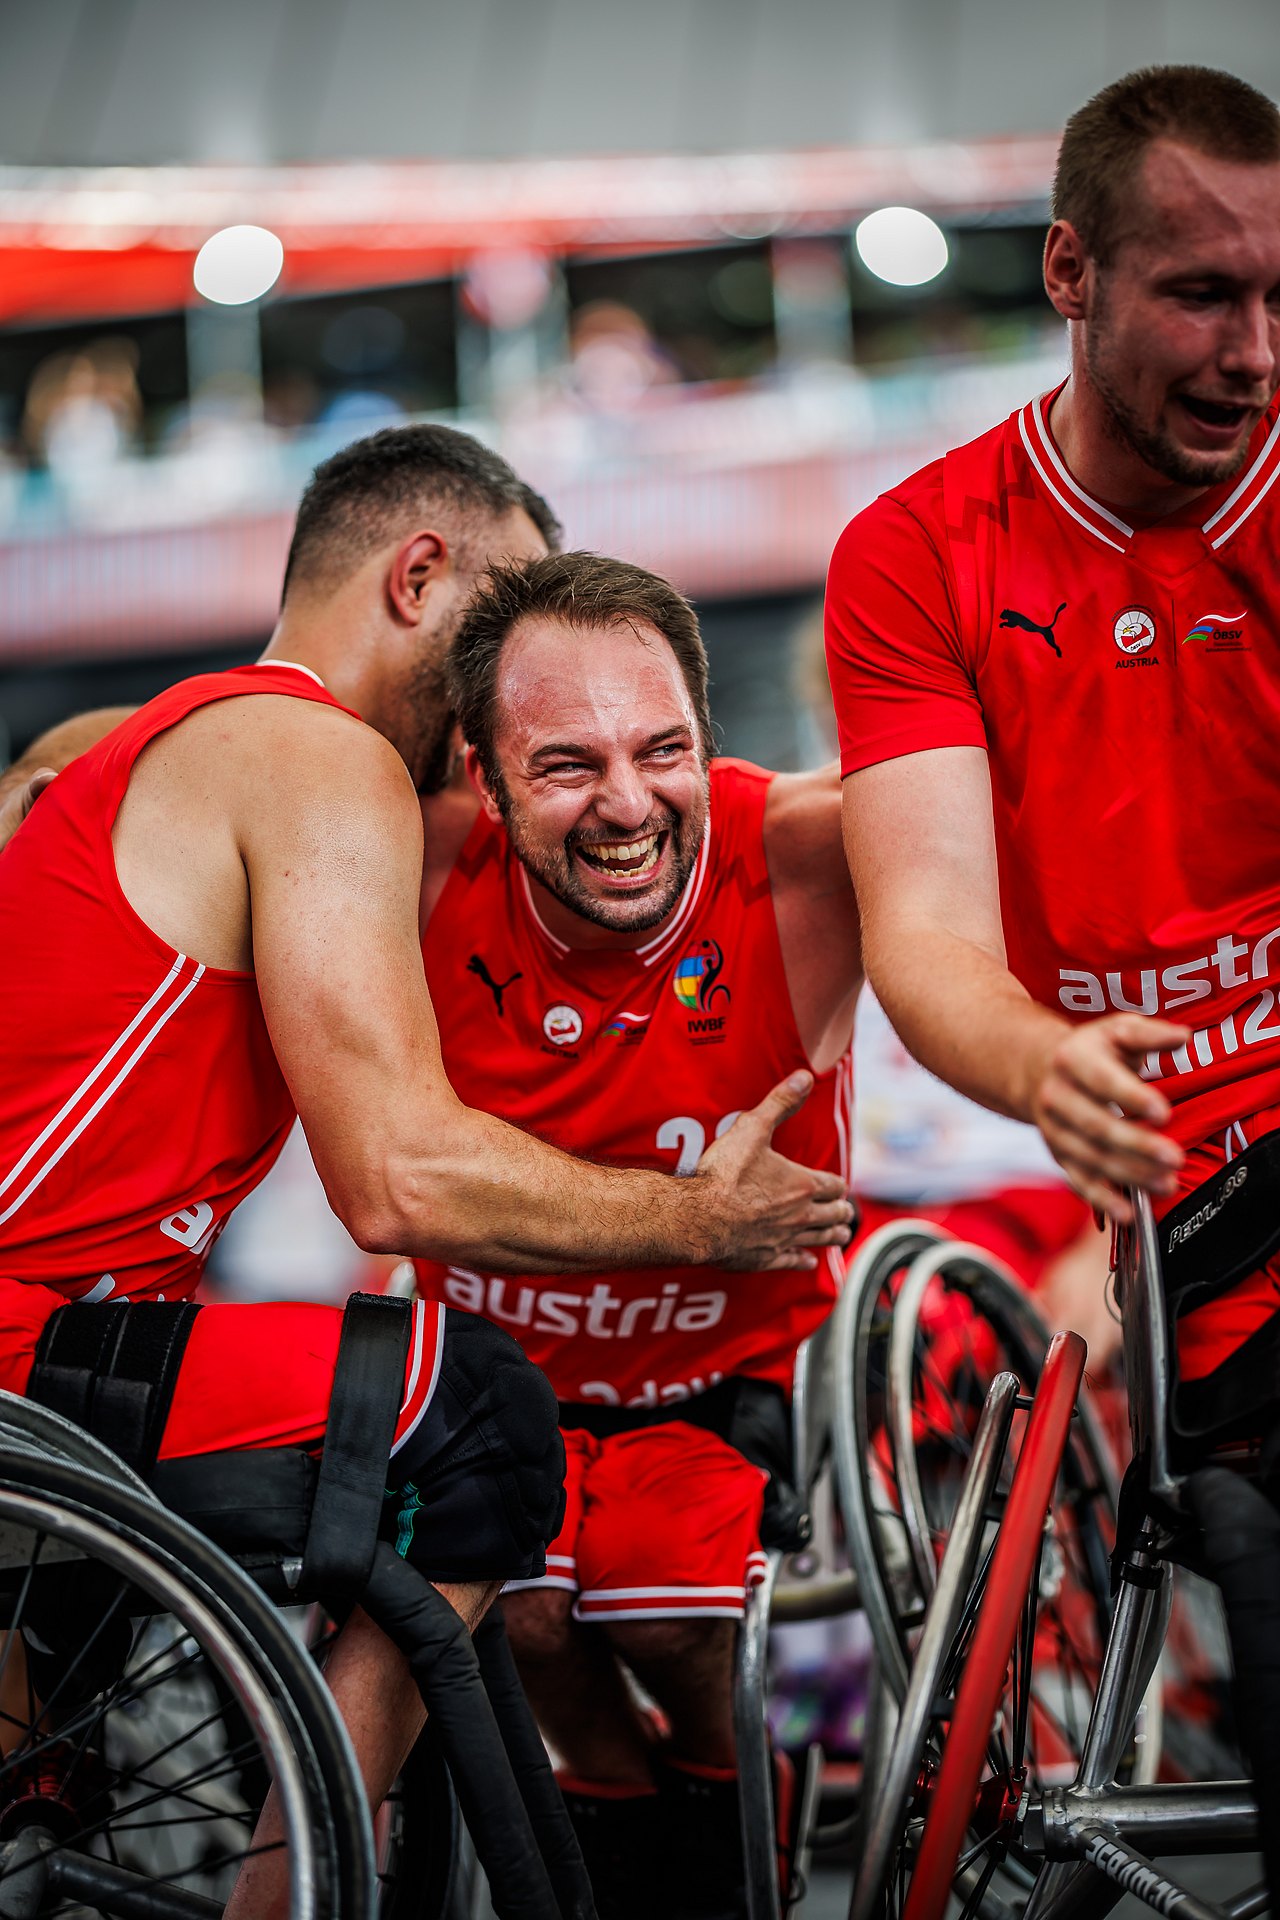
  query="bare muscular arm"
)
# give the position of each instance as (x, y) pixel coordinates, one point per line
(330, 836)
(921, 846)
(815, 908)
(23, 782)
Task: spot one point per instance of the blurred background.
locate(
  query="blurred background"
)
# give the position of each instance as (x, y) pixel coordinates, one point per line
(619, 242)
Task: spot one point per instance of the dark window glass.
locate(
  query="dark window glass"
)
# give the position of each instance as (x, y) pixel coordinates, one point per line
(705, 314)
(332, 355)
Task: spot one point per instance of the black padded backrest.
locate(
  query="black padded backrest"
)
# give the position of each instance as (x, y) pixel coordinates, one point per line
(1224, 1229)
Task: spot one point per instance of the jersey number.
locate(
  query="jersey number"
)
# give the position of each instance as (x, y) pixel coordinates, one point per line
(688, 1138)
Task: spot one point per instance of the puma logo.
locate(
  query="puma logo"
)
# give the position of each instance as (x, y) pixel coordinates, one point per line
(1010, 617)
(496, 987)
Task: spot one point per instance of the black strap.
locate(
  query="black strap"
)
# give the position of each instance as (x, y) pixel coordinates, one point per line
(368, 1387)
(112, 1367)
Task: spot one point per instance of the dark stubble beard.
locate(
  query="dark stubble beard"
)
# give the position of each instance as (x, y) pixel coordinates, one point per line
(1157, 450)
(557, 868)
(429, 724)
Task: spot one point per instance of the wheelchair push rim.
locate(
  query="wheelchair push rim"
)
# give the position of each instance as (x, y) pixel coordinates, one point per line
(53, 1517)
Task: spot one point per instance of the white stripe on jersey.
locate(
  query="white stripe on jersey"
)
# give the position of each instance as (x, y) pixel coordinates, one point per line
(416, 1398)
(1040, 419)
(1238, 492)
(164, 1003)
(1058, 495)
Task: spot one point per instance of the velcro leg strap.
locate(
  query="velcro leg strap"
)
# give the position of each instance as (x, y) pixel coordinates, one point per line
(1224, 1229)
(112, 1368)
(368, 1388)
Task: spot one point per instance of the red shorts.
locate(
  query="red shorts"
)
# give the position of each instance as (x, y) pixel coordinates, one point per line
(255, 1375)
(1211, 1334)
(1026, 1227)
(662, 1523)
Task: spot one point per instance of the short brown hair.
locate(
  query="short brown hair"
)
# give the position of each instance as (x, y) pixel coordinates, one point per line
(583, 588)
(1104, 141)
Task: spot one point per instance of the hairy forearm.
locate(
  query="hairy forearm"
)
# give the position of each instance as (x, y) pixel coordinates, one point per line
(960, 1011)
(489, 1195)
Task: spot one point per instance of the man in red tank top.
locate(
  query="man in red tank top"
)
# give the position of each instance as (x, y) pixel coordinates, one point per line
(178, 976)
(627, 942)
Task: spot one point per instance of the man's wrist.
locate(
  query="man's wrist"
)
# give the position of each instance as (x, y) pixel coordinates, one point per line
(1043, 1034)
(703, 1231)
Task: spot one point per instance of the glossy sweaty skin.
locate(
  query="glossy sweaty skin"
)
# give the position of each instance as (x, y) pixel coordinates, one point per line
(1177, 349)
(603, 790)
(598, 747)
(1175, 354)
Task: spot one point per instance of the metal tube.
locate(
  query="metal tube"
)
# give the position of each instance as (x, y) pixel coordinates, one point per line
(755, 1768)
(1246, 1906)
(1122, 1682)
(1220, 1817)
(945, 1608)
(101, 1884)
(816, 1599)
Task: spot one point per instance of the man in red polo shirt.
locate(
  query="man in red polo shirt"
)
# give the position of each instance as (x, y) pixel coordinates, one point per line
(1053, 655)
(1053, 661)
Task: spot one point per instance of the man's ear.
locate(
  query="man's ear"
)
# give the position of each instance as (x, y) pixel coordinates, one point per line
(476, 775)
(1068, 271)
(417, 565)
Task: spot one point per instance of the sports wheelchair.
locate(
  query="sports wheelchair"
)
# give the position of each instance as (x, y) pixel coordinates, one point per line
(971, 1810)
(890, 1393)
(151, 1691)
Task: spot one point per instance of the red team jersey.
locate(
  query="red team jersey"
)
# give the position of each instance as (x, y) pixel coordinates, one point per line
(635, 1059)
(1125, 681)
(140, 1102)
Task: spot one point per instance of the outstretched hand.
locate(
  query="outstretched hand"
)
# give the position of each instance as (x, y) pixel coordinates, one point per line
(17, 803)
(1100, 1119)
(770, 1212)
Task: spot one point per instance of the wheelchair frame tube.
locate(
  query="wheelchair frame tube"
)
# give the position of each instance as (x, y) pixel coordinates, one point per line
(1016, 1552)
(1221, 1817)
(1127, 1665)
(955, 1577)
(751, 1737)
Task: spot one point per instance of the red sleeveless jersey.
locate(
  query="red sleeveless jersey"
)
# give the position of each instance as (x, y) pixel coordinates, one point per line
(140, 1099)
(1124, 681)
(635, 1059)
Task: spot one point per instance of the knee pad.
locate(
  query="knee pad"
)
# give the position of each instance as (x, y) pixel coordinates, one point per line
(477, 1490)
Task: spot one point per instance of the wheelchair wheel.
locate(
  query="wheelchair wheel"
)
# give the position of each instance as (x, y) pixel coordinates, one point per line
(148, 1695)
(935, 1338)
(869, 1505)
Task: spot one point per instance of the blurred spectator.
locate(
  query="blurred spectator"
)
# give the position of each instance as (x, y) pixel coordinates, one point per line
(83, 409)
(614, 359)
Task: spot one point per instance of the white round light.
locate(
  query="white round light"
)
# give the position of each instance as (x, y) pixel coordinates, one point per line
(238, 264)
(901, 245)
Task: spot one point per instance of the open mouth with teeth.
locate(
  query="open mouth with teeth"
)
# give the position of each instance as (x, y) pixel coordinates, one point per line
(1219, 414)
(623, 859)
